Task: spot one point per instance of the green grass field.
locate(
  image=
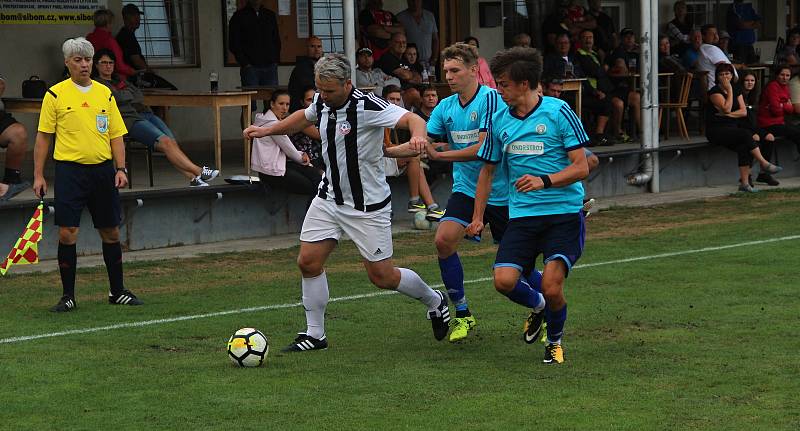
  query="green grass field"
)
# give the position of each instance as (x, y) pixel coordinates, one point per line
(705, 338)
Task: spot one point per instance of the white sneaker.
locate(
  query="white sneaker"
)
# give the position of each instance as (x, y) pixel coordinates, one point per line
(208, 174)
(198, 182)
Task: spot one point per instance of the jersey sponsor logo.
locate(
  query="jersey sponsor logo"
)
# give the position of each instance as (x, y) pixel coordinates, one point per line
(541, 129)
(101, 121)
(526, 148)
(464, 136)
(344, 128)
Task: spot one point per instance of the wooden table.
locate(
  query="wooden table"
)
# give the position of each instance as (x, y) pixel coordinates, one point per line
(19, 104)
(263, 92)
(215, 100)
(575, 84)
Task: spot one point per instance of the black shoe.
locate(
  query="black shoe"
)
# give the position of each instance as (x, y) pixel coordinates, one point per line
(67, 303)
(750, 180)
(767, 179)
(304, 343)
(440, 318)
(532, 328)
(601, 141)
(126, 297)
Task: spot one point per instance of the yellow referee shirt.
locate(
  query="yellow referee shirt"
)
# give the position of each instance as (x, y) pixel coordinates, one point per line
(84, 123)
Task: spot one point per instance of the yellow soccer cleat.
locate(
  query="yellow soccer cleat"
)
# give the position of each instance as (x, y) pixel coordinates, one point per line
(553, 354)
(461, 327)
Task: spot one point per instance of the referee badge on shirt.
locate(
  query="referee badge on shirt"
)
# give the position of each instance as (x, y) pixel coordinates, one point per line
(344, 128)
(102, 123)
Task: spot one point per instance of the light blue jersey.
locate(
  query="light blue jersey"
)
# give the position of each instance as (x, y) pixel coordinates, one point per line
(462, 126)
(537, 145)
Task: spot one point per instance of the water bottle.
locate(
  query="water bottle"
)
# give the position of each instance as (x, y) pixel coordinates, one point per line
(425, 75)
(213, 79)
(432, 73)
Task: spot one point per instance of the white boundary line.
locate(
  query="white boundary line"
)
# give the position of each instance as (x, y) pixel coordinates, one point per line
(364, 296)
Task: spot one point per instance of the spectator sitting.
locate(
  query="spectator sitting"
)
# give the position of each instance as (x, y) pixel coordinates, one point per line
(605, 35)
(420, 28)
(144, 126)
(411, 58)
(711, 56)
(367, 76)
(789, 53)
(553, 88)
(277, 161)
(692, 52)
(126, 37)
(484, 74)
(669, 63)
(775, 104)
(680, 28)
(622, 63)
(724, 113)
(764, 139)
(392, 64)
(419, 192)
(742, 24)
(101, 38)
(523, 40)
(377, 28)
(596, 99)
(303, 73)
(308, 140)
(724, 44)
(430, 98)
(14, 138)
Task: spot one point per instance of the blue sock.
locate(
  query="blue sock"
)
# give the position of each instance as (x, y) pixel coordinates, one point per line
(535, 280)
(453, 278)
(523, 294)
(555, 323)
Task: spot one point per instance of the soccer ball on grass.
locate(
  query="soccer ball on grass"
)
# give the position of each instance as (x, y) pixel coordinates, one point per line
(420, 222)
(248, 347)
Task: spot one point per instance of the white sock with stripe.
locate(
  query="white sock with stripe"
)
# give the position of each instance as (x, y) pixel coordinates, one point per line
(413, 286)
(315, 299)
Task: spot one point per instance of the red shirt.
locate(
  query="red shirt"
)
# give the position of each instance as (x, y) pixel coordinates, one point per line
(102, 38)
(774, 104)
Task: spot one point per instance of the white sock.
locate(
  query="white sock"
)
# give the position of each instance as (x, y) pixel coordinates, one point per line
(315, 298)
(413, 286)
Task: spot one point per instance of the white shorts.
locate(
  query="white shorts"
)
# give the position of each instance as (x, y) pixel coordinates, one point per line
(370, 231)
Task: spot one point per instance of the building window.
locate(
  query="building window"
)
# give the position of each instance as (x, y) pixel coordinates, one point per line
(168, 32)
(327, 23)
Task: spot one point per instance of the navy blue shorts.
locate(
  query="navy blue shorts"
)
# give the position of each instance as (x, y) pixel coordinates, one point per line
(80, 186)
(459, 210)
(558, 236)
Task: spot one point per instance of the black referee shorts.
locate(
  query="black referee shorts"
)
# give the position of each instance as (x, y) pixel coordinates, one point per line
(78, 186)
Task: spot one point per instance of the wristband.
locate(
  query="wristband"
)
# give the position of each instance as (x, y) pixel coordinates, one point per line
(546, 181)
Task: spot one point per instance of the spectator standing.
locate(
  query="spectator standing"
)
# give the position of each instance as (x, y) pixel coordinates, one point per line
(367, 76)
(143, 125)
(83, 117)
(377, 28)
(421, 30)
(303, 73)
(392, 63)
(742, 22)
(126, 37)
(711, 56)
(254, 41)
(14, 138)
(484, 74)
(680, 28)
(101, 38)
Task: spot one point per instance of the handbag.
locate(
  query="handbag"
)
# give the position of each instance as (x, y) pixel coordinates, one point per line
(33, 88)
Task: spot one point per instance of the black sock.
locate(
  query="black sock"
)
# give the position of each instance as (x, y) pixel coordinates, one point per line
(67, 259)
(463, 313)
(112, 255)
(12, 176)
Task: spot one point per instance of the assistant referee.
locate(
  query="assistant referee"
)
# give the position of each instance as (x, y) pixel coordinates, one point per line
(90, 167)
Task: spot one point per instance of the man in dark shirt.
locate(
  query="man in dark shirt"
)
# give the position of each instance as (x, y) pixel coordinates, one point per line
(392, 64)
(622, 63)
(605, 35)
(303, 73)
(126, 38)
(255, 43)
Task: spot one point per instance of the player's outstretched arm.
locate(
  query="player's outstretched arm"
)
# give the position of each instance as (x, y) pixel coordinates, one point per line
(400, 151)
(467, 154)
(482, 191)
(291, 124)
(577, 170)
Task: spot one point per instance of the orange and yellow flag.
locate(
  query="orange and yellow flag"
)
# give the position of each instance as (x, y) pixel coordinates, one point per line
(26, 250)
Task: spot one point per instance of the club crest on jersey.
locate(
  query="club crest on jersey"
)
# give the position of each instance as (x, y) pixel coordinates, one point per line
(102, 123)
(473, 116)
(541, 129)
(344, 128)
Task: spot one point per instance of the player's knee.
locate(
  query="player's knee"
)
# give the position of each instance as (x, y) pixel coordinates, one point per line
(504, 284)
(67, 235)
(17, 137)
(109, 235)
(382, 279)
(444, 246)
(308, 266)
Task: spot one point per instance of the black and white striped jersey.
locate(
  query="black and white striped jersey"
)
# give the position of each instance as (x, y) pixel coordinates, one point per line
(352, 147)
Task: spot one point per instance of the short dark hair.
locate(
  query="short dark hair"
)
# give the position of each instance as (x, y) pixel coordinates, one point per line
(390, 89)
(776, 70)
(101, 52)
(469, 38)
(429, 88)
(706, 27)
(519, 64)
(278, 93)
(722, 67)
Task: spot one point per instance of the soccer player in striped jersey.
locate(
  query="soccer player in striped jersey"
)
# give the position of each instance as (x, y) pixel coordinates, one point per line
(538, 143)
(354, 197)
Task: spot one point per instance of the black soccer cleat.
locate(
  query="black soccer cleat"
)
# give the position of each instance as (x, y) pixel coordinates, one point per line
(440, 318)
(532, 328)
(126, 297)
(67, 303)
(304, 343)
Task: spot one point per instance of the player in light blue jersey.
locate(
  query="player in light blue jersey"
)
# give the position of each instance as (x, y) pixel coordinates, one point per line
(457, 120)
(538, 143)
